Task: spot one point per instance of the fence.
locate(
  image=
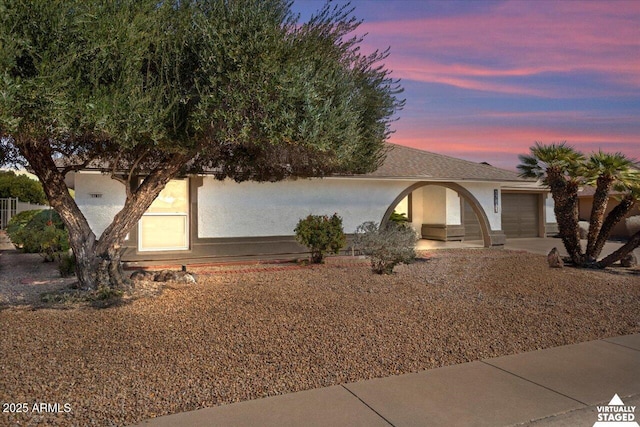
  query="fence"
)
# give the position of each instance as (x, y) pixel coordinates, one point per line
(11, 206)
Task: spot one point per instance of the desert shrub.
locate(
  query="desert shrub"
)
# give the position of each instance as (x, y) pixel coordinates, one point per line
(44, 233)
(18, 222)
(386, 246)
(321, 234)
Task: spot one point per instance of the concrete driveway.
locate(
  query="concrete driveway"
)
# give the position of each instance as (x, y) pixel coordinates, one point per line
(537, 245)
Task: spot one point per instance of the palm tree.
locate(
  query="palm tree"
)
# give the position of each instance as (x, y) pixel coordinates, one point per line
(615, 216)
(603, 170)
(560, 167)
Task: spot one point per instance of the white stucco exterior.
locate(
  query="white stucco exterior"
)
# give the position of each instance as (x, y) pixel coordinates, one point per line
(226, 209)
(484, 193)
(99, 211)
(230, 209)
(549, 214)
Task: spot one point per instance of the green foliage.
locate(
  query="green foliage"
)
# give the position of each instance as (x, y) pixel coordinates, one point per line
(67, 265)
(321, 234)
(19, 221)
(399, 218)
(549, 160)
(159, 89)
(44, 233)
(387, 246)
(21, 187)
(241, 86)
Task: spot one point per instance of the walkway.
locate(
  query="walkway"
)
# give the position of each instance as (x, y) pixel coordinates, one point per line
(559, 386)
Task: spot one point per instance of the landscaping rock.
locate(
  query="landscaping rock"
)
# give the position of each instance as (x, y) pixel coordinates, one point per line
(164, 276)
(140, 275)
(584, 229)
(633, 224)
(629, 261)
(554, 259)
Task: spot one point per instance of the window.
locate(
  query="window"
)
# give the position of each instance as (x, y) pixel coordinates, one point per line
(165, 225)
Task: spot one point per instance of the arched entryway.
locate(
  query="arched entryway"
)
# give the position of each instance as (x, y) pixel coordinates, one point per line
(462, 192)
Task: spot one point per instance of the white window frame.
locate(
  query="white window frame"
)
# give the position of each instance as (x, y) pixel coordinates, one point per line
(167, 214)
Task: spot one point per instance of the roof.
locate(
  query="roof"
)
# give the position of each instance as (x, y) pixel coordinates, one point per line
(407, 162)
(411, 163)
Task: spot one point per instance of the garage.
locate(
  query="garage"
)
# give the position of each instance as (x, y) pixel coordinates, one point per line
(472, 230)
(520, 214)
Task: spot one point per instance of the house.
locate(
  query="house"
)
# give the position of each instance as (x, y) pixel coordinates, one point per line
(200, 218)
(585, 204)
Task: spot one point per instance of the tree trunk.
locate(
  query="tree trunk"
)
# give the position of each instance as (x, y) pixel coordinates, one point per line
(565, 197)
(81, 239)
(616, 215)
(98, 262)
(600, 199)
(622, 252)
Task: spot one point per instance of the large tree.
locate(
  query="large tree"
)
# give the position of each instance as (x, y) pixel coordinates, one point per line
(148, 90)
(21, 187)
(564, 170)
(559, 167)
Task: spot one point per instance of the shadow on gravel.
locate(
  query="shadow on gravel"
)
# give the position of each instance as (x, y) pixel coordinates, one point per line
(69, 299)
(26, 282)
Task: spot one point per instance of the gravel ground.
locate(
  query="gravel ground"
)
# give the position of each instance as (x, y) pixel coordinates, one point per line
(245, 335)
(23, 277)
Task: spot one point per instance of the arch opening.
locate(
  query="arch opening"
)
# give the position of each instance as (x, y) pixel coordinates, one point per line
(440, 229)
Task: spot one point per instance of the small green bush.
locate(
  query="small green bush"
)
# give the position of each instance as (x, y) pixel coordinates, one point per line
(399, 218)
(18, 222)
(44, 233)
(67, 265)
(387, 246)
(321, 234)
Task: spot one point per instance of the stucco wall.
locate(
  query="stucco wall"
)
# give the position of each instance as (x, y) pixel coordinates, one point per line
(417, 207)
(549, 214)
(99, 211)
(484, 193)
(453, 208)
(434, 202)
(230, 209)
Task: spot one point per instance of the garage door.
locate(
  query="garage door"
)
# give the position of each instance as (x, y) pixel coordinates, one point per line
(520, 215)
(472, 230)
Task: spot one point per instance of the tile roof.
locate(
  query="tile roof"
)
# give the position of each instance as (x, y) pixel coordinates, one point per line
(406, 162)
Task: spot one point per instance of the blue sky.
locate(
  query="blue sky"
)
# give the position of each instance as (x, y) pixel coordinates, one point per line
(484, 80)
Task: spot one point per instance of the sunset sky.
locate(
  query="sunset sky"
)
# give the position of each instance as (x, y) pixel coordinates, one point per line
(484, 80)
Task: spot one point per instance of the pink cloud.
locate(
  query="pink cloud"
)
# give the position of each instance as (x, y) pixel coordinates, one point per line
(516, 39)
(501, 145)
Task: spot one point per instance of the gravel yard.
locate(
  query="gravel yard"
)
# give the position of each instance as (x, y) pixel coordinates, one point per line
(241, 335)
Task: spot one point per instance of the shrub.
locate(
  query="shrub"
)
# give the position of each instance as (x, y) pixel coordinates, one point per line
(399, 218)
(44, 233)
(387, 246)
(321, 234)
(18, 222)
(67, 265)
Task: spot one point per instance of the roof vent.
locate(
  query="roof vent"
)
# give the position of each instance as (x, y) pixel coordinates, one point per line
(95, 195)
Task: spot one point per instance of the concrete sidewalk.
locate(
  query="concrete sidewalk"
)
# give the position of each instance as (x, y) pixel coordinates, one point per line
(553, 387)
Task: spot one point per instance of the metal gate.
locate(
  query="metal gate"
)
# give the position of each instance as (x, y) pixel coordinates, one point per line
(11, 206)
(8, 209)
